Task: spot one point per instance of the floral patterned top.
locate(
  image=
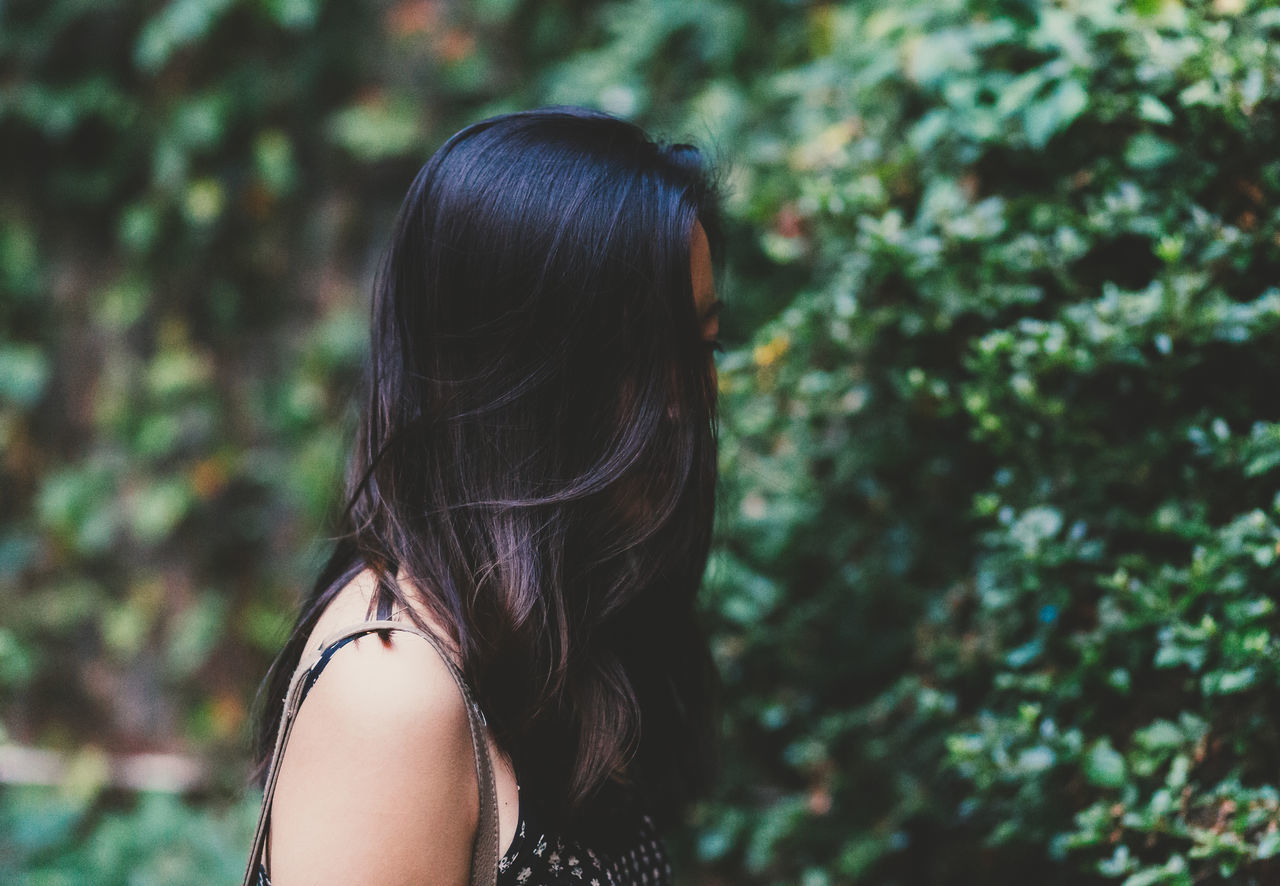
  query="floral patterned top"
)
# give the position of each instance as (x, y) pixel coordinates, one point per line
(633, 857)
(538, 859)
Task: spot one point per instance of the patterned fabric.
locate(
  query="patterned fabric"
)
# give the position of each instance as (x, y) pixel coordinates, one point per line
(635, 856)
(539, 859)
(542, 860)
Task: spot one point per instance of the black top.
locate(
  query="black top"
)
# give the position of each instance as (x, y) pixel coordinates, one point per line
(631, 856)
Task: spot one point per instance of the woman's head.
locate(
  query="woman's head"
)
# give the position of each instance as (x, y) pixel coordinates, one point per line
(537, 450)
(538, 287)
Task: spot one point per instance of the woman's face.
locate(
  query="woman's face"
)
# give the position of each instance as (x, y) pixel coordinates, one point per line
(704, 286)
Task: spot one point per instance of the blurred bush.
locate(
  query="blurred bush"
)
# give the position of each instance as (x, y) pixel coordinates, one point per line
(996, 597)
(995, 593)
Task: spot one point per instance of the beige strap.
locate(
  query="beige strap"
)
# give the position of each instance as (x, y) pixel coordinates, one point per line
(484, 853)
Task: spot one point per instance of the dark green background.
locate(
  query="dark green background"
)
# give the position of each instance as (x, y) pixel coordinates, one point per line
(995, 592)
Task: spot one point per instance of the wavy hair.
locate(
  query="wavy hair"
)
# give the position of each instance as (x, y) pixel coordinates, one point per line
(537, 450)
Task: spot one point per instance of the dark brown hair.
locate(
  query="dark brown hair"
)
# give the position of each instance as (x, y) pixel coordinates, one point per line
(537, 450)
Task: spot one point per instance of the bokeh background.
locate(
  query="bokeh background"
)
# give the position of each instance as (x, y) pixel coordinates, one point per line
(995, 589)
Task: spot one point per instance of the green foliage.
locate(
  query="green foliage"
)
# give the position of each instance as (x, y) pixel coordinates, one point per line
(994, 597)
(1006, 453)
(151, 838)
(194, 195)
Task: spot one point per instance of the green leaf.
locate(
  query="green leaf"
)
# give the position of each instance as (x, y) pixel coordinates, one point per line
(293, 14)
(1146, 151)
(180, 23)
(1104, 765)
(1047, 117)
(156, 508)
(377, 130)
(24, 373)
(1153, 110)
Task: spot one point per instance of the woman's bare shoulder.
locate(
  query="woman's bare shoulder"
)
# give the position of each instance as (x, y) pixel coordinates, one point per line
(378, 782)
(352, 604)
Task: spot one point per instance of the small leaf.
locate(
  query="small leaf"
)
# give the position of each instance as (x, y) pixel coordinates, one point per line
(1146, 151)
(1104, 766)
(24, 372)
(1153, 110)
(1046, 118)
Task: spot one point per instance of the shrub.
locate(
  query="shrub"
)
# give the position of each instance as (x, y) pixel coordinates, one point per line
(994, 597)
(996, 592)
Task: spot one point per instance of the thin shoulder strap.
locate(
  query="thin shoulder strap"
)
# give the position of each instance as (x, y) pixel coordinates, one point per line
(484, 852)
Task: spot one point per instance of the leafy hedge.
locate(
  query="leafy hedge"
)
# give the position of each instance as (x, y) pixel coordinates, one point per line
(995, 592)
(997, 599)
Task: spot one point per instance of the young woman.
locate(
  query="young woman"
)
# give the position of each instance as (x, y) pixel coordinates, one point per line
(531, 494)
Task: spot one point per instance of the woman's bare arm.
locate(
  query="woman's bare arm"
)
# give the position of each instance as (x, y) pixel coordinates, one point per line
(378, 782)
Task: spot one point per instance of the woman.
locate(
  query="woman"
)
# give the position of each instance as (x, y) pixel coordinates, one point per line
(532, 491)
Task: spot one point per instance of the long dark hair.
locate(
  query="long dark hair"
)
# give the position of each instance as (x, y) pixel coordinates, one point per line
(537, 450)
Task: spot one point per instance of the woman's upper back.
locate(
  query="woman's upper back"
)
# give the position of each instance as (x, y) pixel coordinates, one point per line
(378, 782)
